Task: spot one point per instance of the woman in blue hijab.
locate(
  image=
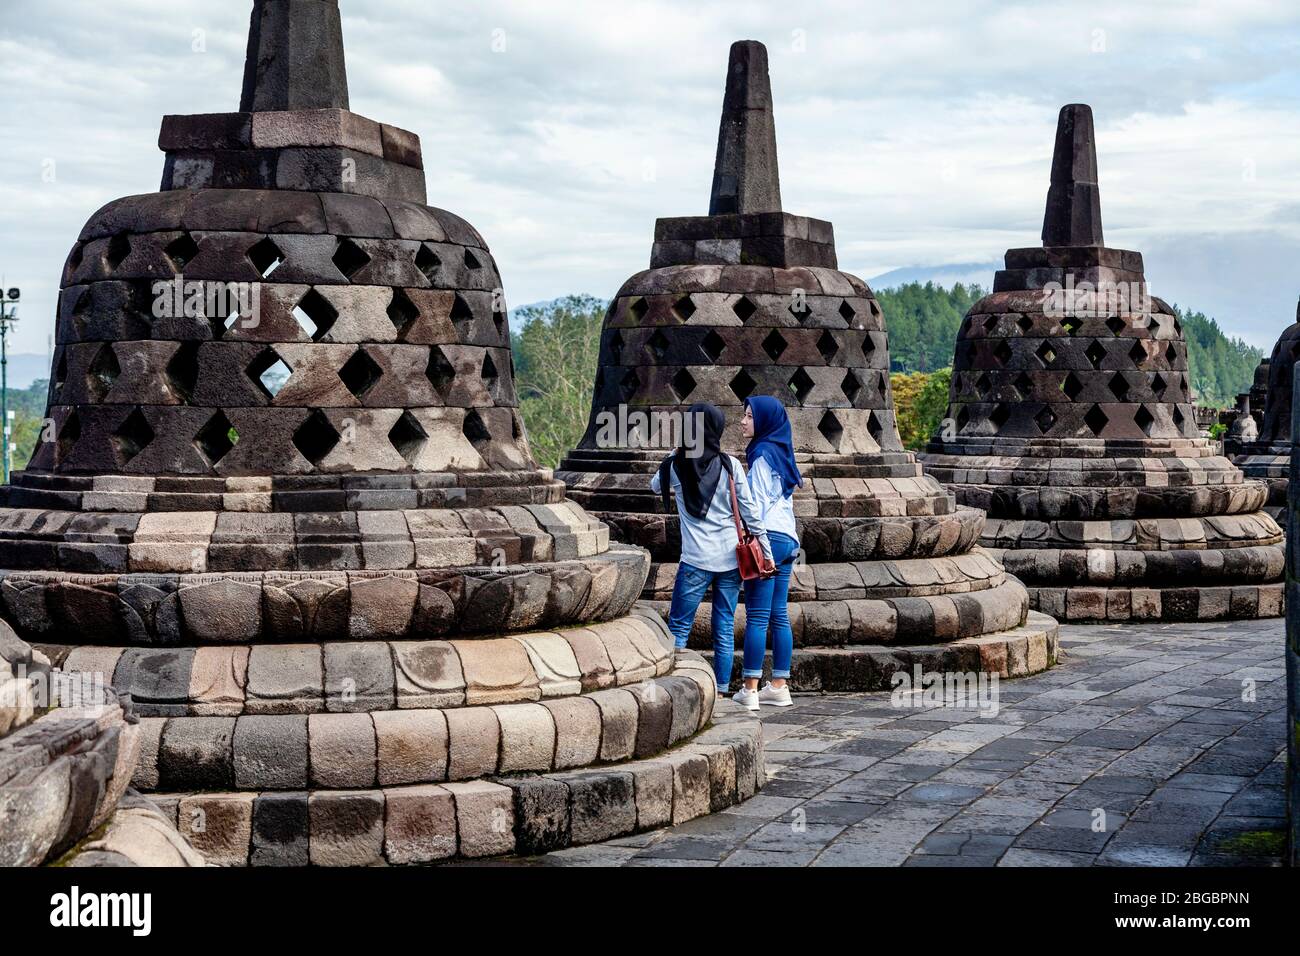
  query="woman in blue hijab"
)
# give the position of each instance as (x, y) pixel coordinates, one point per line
(773, 477)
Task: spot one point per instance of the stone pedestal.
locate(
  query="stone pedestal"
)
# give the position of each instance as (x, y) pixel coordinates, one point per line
(749, 301)
(1071, 423)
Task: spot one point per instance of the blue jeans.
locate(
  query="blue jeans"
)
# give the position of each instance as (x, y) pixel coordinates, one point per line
(765, 606)
(688, 591)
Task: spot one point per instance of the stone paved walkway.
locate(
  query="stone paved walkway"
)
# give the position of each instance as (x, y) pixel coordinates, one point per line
(1147, 724)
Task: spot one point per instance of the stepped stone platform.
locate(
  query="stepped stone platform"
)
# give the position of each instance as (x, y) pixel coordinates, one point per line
(1266, 456)
(68, 749)
(1071, 423)
(302, 528)
(749, 301)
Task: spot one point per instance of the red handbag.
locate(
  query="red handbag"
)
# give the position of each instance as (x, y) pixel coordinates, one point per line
(750, 559)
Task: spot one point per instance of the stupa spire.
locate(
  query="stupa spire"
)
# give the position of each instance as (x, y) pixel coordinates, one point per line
(295, 57)
(1073, 216)
(745, 176)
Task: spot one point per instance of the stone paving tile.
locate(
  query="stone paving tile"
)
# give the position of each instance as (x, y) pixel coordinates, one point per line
(1147, 746)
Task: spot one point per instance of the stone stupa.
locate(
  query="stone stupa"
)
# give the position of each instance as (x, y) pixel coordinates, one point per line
(1268, 456)
(1071, 422)
(748, 300)
(306, 534)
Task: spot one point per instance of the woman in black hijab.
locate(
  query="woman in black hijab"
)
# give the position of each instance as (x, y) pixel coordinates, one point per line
(698, 473)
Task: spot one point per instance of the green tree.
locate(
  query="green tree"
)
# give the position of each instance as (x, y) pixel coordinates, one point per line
(920, 402)
(556, 351)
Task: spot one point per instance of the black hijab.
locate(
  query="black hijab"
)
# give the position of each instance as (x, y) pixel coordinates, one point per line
(699, 475)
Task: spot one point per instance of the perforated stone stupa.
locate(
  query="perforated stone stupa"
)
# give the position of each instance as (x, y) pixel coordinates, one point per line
(306, 533)
(1071, 422)
(746, 301)
(1268, 457)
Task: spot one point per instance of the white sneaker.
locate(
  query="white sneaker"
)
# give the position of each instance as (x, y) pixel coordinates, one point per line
(746, 698)
(776, 697)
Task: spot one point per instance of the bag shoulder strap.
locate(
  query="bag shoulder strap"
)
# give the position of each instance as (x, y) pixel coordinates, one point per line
(741, 530)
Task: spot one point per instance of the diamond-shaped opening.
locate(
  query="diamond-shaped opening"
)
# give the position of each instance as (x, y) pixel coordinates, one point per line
(131, 437)
(1116, 324)
(315, 315)
(713, 345)
(1178, 326)
(1002, 353)
(1045, 420)
(408, 437)
(460, 310)
(402, 311)
(1071, 324)
(963, 418)
(61, 369)
(182, 250)
(1171, 353)
(474, 429)
(851, 387)
(1095, 419)
(616, 348)
(102, 373)
(1025, 323)
(119, 247)
(846, 311)
(1158, 385)
(1046, 354)
(68, 435)
(990, 323)
(684, 308)
(182, 371)
(874, 428)
(360, 373)
(801, 384)
(1138, 353)
(1095, 352)
(982, 385)
(639, 308)
(471, 261)
(1024, 385)
(629, 385)
(1071, 387)
(868, 345)
(1144, 419)
(658, 345)
(827, 345)
(488, 372)
(499, 320)
(1178, 417)
(315, 437)
(831, 429)
(349, 258)
(1000, 415)
(1119, 387)
(269, 371)
(440, 372)
(216, 438)
(427, 261)
(742, 386)
(774, 345)
(683, 384)
(266, 257)
(744, 309)
(799, 309)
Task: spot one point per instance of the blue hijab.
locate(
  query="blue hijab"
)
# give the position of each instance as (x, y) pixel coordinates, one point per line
(773, 441)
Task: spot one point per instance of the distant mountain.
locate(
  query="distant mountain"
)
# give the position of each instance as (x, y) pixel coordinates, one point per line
(25, 368)
(968, 273)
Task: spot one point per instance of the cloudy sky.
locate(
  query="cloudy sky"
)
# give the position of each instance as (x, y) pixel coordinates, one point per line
(922, 130)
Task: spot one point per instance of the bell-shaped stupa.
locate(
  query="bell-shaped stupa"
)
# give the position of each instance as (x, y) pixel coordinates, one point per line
(288, 505)
(748, 300)
(1267, 456)
(1072, 424)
